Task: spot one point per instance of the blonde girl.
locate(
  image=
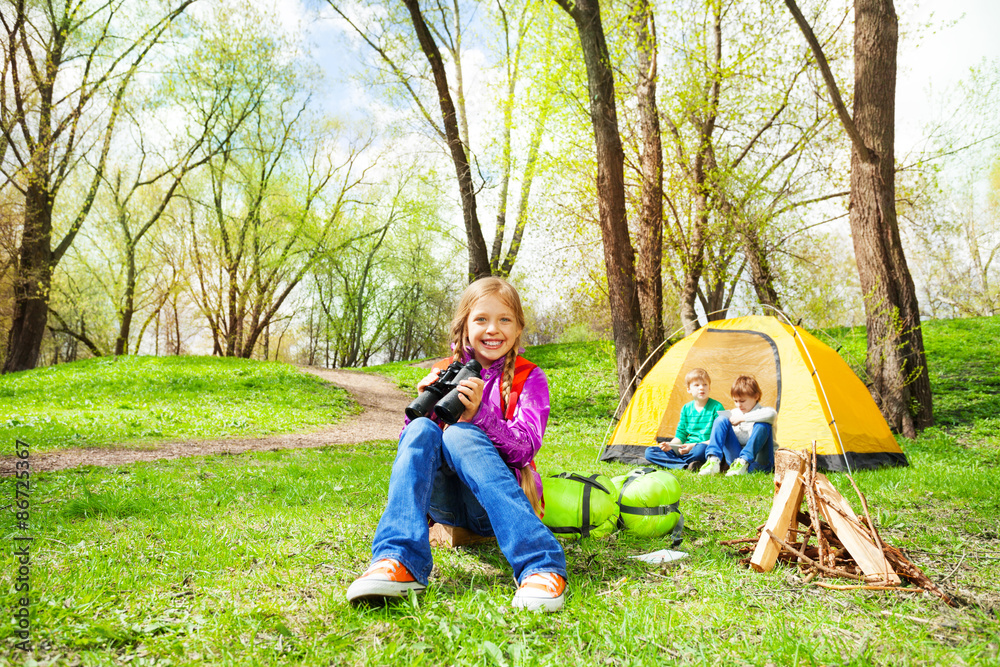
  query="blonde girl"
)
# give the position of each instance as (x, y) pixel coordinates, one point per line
(477, 473)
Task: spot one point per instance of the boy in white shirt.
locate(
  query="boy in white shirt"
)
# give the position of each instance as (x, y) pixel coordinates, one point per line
(745, 439)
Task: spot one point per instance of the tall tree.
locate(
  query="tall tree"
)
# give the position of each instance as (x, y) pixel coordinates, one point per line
(626, 318)
(479, 261)
(420, 54)
(896, 364)
(650, 247)
(546, 68)
(65, 63)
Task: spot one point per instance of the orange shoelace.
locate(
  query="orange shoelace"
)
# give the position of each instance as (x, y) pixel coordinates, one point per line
(391, 569)
(549, 582)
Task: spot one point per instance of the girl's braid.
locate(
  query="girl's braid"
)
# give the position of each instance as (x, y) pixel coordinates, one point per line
(508, 372)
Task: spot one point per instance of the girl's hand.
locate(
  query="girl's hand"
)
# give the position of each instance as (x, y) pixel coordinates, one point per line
(470, 392)
(684, 449)
(428, 379)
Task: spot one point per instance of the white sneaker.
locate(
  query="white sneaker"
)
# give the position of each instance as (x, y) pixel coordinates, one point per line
(541, 591)
(383, 579)
(739, 467)
(711, 466)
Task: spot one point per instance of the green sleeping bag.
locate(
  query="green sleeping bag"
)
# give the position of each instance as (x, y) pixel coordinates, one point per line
(580, 506)
(649, 503)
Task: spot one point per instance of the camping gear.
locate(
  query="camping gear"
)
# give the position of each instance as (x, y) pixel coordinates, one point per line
(648, 502)
(827, 539)
(580, 505)
(817, 395)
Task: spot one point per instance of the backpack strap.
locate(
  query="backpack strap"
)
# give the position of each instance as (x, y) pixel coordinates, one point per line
(589, 483)
(522, 369)
(660, 510)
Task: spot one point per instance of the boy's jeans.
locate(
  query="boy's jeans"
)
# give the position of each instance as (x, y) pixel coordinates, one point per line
(671, 459)
(758, 452)
(438, 472)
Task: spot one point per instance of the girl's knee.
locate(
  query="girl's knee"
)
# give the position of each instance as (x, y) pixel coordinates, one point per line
(462, 439)
(420, 426)
(420, 434)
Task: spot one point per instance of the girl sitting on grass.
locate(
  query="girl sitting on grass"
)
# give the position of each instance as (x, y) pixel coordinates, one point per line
(477, 473)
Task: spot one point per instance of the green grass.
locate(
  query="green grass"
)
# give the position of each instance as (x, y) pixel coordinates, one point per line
(245, 560)
(140, 400)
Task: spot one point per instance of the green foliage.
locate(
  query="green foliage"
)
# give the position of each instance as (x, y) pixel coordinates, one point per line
(245, 560)
(110, 400)
(961, 357)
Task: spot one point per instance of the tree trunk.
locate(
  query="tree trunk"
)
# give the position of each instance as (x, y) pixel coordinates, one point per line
(32, 281)
(897, 368)
(650, 260)
(479, 261)
(128, 309)
(761, 274)
(618, 252)
(896, 365)
(702, 165)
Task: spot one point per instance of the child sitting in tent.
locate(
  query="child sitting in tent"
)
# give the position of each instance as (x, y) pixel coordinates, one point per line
(693, 426)
(745, 438)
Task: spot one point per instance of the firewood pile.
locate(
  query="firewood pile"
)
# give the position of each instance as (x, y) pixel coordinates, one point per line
(828, 540)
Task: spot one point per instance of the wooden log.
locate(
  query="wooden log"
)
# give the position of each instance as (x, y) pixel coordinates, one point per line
(453, 536)
(845, 524)
(810, 562)
(784, 510)
(785, 460)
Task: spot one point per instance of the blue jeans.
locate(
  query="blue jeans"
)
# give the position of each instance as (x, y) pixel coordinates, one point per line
(758, 452)
(671, 459)
(458, 477)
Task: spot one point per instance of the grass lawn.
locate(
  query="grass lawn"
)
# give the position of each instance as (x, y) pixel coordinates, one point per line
(245, 560)
(139, 400)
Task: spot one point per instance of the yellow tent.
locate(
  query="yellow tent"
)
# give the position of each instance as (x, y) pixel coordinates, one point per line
(817, 395)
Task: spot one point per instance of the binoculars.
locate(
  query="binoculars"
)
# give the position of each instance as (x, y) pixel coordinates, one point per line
(441, 396)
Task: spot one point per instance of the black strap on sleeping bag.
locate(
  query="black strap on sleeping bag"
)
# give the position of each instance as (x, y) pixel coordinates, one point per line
(660, 510)
(588, 484)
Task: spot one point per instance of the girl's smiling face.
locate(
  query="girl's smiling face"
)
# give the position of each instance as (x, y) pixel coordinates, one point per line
(492, 329)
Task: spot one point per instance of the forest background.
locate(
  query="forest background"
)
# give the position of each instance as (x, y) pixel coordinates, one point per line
(283, 181)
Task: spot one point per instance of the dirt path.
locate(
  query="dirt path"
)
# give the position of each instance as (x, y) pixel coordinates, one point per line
(381, 418)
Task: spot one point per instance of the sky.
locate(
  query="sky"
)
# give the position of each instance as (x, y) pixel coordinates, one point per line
(940, 41)
(932, 62)
(931, 59)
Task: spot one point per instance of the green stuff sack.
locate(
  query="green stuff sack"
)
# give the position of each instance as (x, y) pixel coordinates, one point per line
(649, 503)
(580, 506)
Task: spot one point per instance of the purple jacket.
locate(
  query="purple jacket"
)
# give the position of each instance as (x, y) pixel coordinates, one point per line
(519, 439)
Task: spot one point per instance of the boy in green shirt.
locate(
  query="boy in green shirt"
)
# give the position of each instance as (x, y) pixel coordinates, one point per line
(693, 427)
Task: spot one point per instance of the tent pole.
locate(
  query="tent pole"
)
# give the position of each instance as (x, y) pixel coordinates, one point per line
(819, 380)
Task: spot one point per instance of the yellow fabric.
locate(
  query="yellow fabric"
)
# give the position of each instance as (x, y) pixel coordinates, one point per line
(729, 348)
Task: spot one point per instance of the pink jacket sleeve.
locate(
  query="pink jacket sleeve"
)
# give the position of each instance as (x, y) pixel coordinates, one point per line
(519, 439)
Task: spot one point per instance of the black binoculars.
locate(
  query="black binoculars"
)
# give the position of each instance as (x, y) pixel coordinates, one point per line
(441, 396)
